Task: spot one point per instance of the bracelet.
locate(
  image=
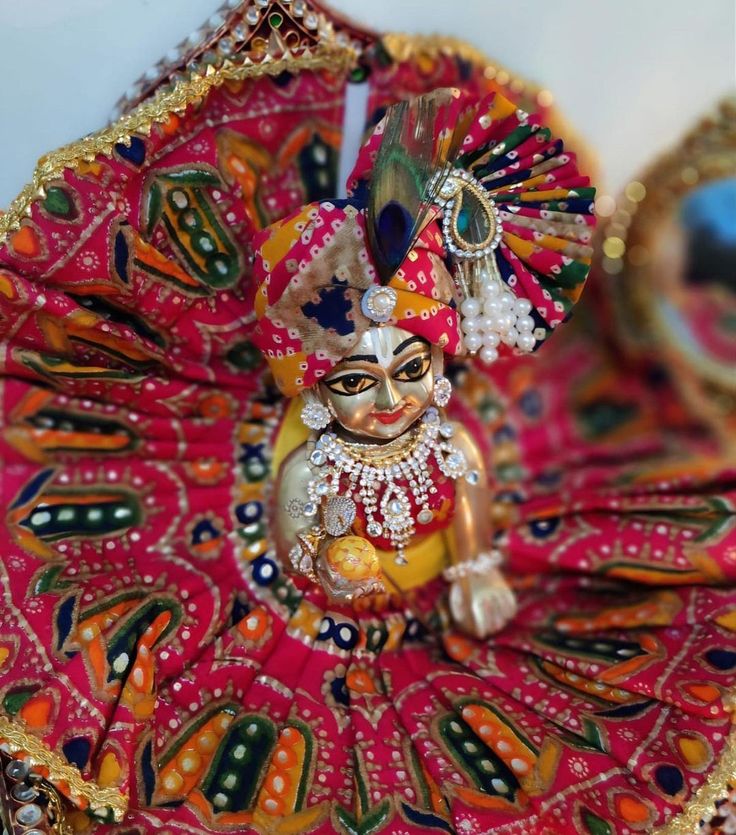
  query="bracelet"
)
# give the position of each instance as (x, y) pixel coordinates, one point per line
(303, 553)
(485, 561)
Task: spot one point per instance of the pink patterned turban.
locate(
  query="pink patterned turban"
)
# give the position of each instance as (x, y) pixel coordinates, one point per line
(313, 271)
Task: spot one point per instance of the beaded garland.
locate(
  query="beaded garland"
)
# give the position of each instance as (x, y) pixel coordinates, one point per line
(374, 475)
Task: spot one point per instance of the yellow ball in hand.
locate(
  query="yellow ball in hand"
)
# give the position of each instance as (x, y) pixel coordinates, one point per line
(353, 558)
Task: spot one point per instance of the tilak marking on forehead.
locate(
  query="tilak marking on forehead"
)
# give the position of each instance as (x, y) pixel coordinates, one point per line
(383, 347)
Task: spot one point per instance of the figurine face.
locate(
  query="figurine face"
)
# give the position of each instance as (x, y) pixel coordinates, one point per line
(385, 385)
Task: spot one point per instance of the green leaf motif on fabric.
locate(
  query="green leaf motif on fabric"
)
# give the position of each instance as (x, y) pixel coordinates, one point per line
(49, 580)
(124, 643)
(179, 200)
(244, 356)
(15, 699)
(594, 824)
(368, 824)
(240, 765)
(59, 204)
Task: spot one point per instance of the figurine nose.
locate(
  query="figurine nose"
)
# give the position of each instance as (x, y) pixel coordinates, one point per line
(387, 397)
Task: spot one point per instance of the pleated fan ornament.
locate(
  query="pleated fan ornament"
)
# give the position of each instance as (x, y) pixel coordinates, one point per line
(515, 213)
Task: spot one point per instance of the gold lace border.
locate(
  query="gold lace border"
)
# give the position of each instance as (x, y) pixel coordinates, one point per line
(402, 47)
(702, 806)
(17, 739)
(156, 110)
(140, 120)
(60, 772)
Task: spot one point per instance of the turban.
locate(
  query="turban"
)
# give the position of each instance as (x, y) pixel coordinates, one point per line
(452, 200)
(313, 271)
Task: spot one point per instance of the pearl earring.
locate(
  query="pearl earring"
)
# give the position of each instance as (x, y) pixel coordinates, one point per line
(442, 391)
(315, 415)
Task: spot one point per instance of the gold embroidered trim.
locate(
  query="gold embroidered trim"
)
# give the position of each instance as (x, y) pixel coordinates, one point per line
(403, 47)
(155, 110)
(100, 799)
(16, 739)
(61, 825)
(702, 806)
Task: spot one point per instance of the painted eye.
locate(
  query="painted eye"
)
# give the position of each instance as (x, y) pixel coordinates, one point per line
(350, 384)
(414, 370)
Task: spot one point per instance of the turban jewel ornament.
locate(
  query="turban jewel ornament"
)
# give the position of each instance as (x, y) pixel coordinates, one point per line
(454, 202)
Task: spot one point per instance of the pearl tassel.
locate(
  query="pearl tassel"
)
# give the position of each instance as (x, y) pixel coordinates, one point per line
(492, 314)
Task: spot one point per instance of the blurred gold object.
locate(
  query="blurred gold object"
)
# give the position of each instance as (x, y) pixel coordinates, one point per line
(671, 245)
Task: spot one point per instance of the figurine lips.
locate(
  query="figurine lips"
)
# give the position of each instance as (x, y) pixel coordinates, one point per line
(389, 417)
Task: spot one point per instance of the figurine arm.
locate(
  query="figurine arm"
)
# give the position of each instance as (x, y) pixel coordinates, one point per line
(470, 533)
(346, 566)
(481, 602)
(291, 491)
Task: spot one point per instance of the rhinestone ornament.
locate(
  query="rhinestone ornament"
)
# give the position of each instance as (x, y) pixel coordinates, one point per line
(450, 200)
(491, 314)
(389, 487)
(442, 391)
(378, 303)
(316, 416)
(338, 515)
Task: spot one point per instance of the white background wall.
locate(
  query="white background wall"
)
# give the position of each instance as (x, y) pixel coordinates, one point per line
(632, 75)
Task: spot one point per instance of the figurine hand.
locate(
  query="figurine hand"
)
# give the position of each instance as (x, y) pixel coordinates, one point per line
(482, 604)
(341, 591)
(349, 569)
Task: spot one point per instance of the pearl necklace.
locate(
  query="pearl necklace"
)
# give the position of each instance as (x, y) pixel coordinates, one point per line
(373, 472)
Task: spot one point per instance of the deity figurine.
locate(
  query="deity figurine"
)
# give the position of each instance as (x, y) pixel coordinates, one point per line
(267, 491)
(358, 302)
(413, 474)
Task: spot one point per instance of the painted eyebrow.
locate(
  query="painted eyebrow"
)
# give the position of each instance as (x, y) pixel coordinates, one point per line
(410, 341)
(363, 358)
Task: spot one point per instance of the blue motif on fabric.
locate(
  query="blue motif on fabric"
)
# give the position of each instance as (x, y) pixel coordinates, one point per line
(249, 512)
(148, 773)
(77, 751)
(241, 610)
(250, 452)
(669, 778)
(353, 202)
(626, 711)
(204, 531)
(122, 253)
(32, 488)
(543, 528)
(135, 153)
(344, 634)
(264, 570)
(506, 270)
(65, 622)
(332, 309)
(531, 403)
(340, 691)
(426, 820)
(721, 659)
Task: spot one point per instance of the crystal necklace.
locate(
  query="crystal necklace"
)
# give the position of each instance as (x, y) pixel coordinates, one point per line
(374, 475)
